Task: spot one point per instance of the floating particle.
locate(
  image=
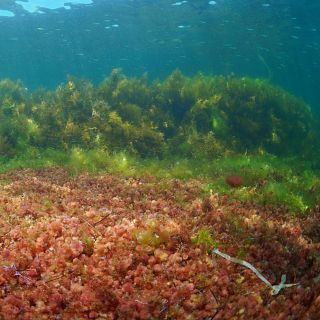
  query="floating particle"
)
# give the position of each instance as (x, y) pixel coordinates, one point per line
(179, 3)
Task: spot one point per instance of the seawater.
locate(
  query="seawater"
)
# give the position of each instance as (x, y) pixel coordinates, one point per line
(41, 42)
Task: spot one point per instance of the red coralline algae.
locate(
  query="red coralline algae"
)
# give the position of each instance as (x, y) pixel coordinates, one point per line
(120, 248)
(234, 181)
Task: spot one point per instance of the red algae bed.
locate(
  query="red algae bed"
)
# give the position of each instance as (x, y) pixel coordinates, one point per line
(108, 247)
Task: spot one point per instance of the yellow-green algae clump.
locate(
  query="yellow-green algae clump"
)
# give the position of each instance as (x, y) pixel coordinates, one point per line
(202, 116)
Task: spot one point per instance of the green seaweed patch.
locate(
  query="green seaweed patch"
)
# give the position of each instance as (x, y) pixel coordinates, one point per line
(150, 237)
(155, 232)
(280, 194)
(88, 245)
(204, 237)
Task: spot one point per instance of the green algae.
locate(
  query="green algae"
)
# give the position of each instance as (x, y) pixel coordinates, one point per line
(206, 127)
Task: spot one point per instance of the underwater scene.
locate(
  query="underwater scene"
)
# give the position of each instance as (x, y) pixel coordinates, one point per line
(160, 159)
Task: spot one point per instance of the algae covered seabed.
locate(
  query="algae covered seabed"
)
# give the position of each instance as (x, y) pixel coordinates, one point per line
(110, 247)
(114, 199)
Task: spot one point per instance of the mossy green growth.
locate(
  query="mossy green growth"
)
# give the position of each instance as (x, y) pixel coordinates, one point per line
(268, 181)
(97, 160)
(47, 204)
(281, 194)
(88, 245)
(153, 233)
(204, 237)
(148, 237)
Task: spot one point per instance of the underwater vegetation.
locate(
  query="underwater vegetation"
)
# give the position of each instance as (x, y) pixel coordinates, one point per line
(202, 116)
(134, 188)
(232, 132)
(111, 247)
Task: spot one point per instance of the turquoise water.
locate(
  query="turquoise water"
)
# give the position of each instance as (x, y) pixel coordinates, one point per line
(41, 42)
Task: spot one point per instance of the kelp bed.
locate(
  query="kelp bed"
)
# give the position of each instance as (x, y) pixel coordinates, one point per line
(112, 247)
